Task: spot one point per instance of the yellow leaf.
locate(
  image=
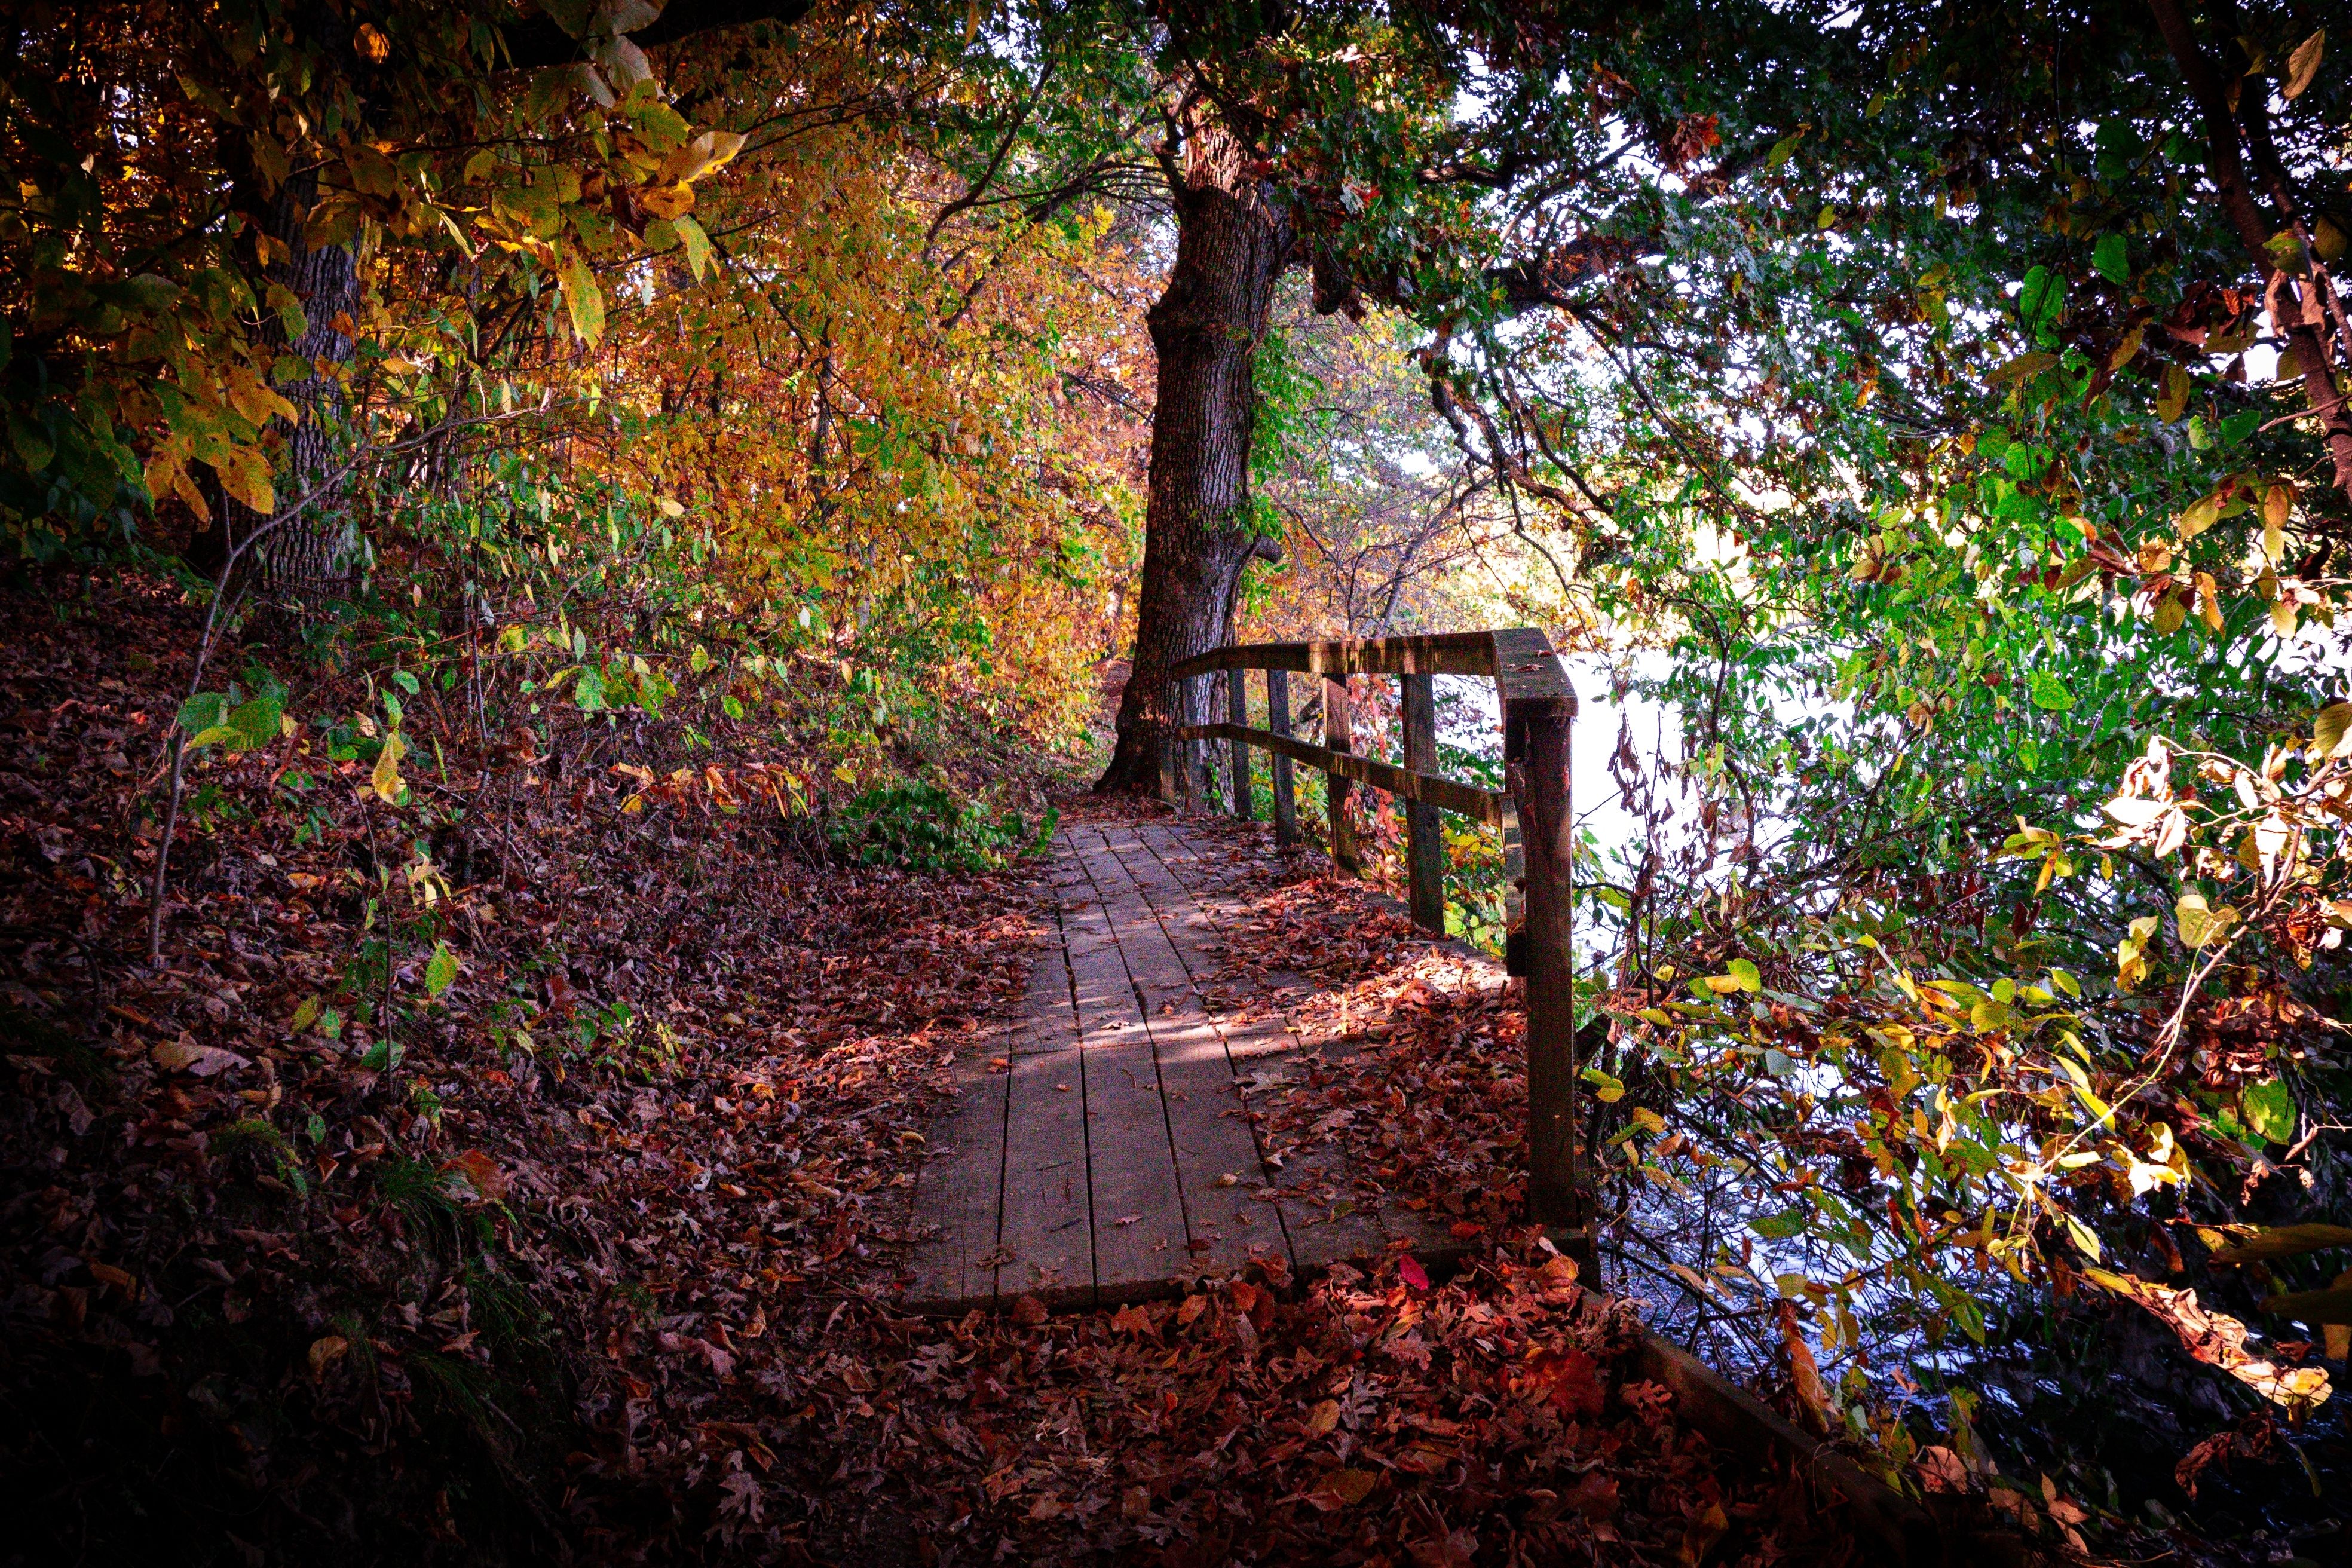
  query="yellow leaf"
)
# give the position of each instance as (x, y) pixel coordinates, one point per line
(2330, 727)
(2201, 517)
(244, 476)
(2208, 601)
(386, 777)
(2173, 400)
(706, 152)
(2283, 616)
(667, 200)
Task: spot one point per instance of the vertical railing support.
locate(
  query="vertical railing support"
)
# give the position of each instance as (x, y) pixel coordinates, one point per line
(1237, 708)
(1171, 748)
(1286, 797)
(1426, 858)
(1536, 757)
(1340, 734)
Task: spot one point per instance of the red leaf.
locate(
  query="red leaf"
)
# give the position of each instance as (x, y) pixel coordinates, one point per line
(1412, 1272)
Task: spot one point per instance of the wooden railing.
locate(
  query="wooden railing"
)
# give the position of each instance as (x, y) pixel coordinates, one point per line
(1532, 812)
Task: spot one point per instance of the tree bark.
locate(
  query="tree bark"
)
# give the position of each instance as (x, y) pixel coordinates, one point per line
(307, 558)
(1232, 241)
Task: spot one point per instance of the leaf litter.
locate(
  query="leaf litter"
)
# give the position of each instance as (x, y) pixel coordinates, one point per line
(565, 1278)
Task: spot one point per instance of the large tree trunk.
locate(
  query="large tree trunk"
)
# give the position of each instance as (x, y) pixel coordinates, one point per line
(1232, 241)
(306, 556)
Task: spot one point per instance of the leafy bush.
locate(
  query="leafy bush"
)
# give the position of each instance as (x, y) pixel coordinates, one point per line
(920, 827)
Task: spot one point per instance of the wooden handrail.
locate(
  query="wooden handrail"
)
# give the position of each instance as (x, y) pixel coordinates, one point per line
(1465, 800)
(1538, 708)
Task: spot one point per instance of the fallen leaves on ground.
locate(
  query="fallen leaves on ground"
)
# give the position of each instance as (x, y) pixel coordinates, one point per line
(569, 1277)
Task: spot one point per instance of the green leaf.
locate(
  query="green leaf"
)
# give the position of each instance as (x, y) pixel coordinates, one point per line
(2111, 258)
(582, 297)
(307, 1014)
(2050, 692)
(1606, 1090)
(590, 692)
(1744, 972)
(697, 243)
(2042, 300)
(256, 723)
(2270, 1110)
(32, 443)
(440, 970)
(205, 710)
(1782, 1226)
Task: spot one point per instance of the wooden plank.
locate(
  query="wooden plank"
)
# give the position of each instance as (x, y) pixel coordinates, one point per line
(1465, 800)
(1425, 857)
(1139, 1236)
(1218, 1171)
(1277, 718)
(1527, 669)
(961, 1189)
(1045, 1237)
(1320, 1232)
(1443, 653)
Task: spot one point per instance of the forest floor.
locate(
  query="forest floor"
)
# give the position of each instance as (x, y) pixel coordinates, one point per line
(603, 1261)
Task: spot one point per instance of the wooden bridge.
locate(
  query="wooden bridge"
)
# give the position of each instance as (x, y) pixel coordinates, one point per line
(1100, 1155)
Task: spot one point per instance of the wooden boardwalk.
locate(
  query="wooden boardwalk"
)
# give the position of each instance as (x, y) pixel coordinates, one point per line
(1101, 1153)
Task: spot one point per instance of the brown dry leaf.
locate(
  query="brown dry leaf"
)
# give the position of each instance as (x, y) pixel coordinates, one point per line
(1706, 1528)
(1322, 1418)
(1343, 1489)
(481, 1173)
(1594, 1496)
(2218, 1340)
(1029, 1311)
(1810, 1394)
(184, 1055)
(324, 1351)
(1941, 1470)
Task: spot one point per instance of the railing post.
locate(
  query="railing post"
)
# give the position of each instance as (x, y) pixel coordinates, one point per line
(1171, 747)
(1340, 734)
(1277, 719)
(1536, 754)
(1426, 860)
(1238, 708)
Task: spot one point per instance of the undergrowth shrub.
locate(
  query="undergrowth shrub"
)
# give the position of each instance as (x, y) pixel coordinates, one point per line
(920, 827)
